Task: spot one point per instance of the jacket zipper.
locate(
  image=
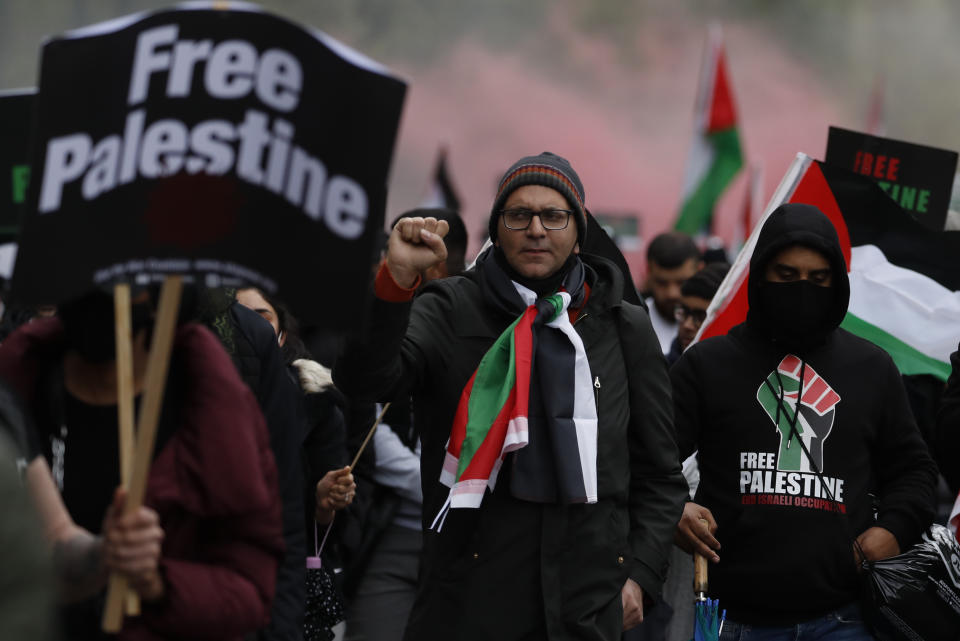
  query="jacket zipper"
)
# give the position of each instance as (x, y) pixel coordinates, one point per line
(596, 394)
(580, 318)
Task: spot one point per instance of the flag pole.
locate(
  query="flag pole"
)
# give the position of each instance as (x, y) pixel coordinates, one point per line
(373, 429)
(154, 384)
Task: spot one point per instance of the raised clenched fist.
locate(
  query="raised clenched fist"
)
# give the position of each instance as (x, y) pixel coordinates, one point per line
(415, 245)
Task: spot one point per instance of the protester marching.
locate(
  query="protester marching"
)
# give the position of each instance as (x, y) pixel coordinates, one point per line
(240, 402)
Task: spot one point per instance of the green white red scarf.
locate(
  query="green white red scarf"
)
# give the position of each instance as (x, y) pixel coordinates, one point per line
(541, 357)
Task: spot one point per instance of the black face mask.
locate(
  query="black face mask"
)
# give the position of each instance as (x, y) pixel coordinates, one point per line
(796, 312)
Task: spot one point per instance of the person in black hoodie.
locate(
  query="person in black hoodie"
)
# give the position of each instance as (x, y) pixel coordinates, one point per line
(788, 492)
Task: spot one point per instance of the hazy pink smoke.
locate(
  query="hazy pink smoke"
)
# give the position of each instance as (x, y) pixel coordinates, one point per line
(625, 130)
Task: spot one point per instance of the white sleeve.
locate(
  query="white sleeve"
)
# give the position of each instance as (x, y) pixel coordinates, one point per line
(397, 466)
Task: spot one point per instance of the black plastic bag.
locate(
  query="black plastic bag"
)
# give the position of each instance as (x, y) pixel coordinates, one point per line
(915, 596)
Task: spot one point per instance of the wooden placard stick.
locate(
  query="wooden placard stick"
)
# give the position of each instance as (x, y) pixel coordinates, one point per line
(124, 344)
(373, 429)
(154, 383)
(124, 354)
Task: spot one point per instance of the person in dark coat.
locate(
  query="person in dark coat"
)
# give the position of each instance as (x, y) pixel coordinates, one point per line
(252, 345)
(328, 483)
(567, 542)
(324, 452)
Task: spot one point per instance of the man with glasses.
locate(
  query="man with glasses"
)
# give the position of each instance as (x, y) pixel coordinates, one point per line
(549, 492)
(690, 312)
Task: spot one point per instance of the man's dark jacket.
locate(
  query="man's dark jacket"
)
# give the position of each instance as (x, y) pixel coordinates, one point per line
(786, 553)
(512, 568)
(252, 344)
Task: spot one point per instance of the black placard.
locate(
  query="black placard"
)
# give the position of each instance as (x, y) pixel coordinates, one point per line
(916, 177)
(16, 109)
(231, 146)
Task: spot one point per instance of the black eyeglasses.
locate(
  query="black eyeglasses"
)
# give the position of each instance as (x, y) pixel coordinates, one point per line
(682, 313)
(552, 219)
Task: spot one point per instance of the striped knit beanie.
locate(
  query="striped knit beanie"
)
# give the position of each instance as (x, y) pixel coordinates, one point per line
(549, 170)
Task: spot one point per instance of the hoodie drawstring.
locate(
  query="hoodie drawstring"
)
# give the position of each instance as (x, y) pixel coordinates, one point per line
(796, 413)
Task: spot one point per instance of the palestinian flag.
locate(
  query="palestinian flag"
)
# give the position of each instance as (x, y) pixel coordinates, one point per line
(715, 156)
(904, 278)
(441, 194)
(493, 416)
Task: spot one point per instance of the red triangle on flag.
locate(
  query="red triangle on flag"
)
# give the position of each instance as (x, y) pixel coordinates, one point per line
(723, 114)
(813, 189)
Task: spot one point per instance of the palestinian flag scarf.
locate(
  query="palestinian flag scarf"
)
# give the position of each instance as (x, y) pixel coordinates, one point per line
(530, 394)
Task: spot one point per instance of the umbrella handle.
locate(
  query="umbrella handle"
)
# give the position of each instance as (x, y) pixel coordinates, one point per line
(700, 572)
